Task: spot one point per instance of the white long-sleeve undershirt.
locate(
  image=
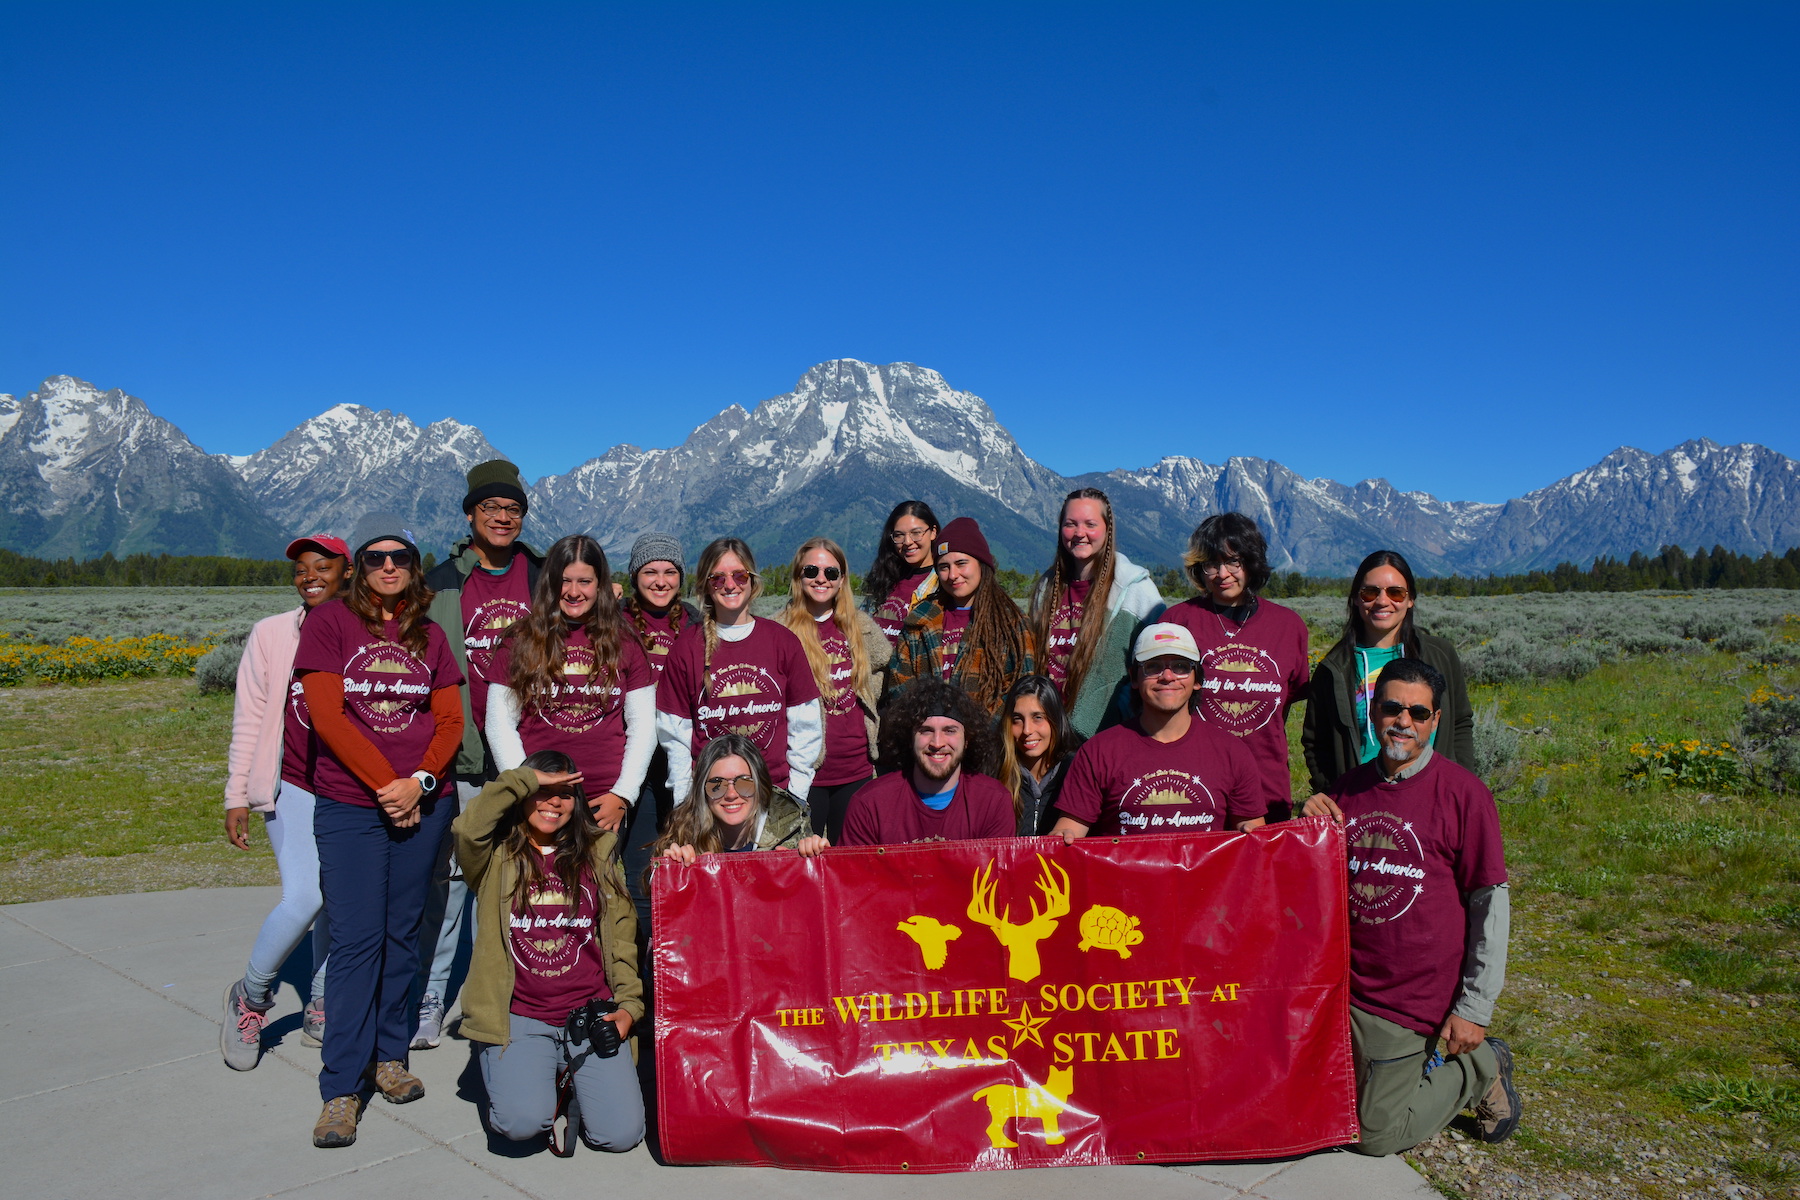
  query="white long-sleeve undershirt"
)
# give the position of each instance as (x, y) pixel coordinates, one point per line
(502, 728)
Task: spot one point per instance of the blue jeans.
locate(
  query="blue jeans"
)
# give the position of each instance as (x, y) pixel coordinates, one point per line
(521, 1085)
(375, 880)
(446, 910)
(290, 830)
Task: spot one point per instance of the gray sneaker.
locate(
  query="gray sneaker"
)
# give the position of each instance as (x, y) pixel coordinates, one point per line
(312, 1022)
(240, 1033)
(431, 1023)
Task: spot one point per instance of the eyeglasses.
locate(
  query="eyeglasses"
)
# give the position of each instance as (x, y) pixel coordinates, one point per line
(500, 508)
(735, 578)
(917, 535)
(1369, 593)
(832, 574)
(372, 559)
(1234, 565)
(1179, 667)
(743, 785)
(1418, 712)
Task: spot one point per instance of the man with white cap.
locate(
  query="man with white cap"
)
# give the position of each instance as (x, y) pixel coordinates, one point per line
(1165, 771)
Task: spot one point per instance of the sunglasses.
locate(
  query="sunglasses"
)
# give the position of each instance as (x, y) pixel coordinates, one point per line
(1418, 712)
(832, 574)
(1369, 593)
(1176, 666)
(373, 559)
(735, 578)
(743, 785)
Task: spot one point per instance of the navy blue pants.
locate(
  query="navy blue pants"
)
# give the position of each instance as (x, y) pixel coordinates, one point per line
(375, 879)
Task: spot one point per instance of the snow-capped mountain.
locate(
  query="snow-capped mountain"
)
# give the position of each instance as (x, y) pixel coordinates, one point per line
(84, 471)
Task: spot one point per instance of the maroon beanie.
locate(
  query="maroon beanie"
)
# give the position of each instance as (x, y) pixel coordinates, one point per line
(963, 536)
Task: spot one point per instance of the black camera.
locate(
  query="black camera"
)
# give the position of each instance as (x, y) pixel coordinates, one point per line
(589, 1024)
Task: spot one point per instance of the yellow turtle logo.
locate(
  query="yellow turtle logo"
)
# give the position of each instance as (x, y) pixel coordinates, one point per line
(1109, 929)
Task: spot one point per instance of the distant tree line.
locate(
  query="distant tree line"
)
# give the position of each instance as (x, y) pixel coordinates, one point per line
(142, 570)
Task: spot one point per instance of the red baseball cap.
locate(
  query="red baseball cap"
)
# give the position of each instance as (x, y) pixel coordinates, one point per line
(322, 543)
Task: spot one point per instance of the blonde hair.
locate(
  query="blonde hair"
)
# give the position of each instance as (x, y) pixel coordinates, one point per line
(1049, 598)
(843, 611)
(709, 558)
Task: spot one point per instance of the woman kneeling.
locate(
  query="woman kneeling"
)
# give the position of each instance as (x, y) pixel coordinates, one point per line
(555, 933)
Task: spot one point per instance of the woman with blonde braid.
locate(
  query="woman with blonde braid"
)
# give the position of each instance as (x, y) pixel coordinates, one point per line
(848, 653)
(733, 673)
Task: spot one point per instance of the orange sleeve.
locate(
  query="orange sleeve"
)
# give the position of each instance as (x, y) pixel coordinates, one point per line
(347, 743)
(447, 713)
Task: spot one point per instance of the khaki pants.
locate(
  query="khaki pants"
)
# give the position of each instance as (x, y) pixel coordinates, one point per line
(1398, 1104)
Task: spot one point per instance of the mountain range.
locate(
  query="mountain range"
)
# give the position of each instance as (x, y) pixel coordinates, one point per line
(85, 471)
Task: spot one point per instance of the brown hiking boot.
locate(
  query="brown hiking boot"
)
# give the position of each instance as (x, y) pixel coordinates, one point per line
(1497, 1114)
(337, 1124)
(397, 1084)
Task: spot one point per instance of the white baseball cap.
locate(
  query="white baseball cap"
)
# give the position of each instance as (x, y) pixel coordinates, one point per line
(1165, 638)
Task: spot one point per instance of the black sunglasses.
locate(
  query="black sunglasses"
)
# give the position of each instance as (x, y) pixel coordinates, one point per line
(832, 574)
(1418, 712)
(372, 559)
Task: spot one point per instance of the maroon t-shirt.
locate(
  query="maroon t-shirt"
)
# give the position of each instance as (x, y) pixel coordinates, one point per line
(1249, 678)
(1125, 781)
(754, 683)
(1065, 630)
(298, 747)
(387, 692)
(661, 631)
(584, 717)
(956, 622)
(558, 961)
(846, 734)
(892, 614)
(489, 604)
(1417, 847)
(888, 812)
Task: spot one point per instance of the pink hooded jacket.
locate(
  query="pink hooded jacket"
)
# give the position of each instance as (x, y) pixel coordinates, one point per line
(257, 719)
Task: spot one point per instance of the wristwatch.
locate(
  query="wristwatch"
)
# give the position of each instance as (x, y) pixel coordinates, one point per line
(427, 781)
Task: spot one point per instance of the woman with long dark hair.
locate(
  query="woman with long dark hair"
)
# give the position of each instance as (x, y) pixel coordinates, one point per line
(1338, 732)
(847, 653)
(555, 937)
(1253, 652)
(732, 806)
(969, 633)
(902, 576)
(1036, 743)
(576, 681)
(383, 692)
(733, 673)
(1084, 646)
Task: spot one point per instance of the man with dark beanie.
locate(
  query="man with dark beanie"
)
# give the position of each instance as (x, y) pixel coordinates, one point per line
(484, 586)
(939, 741)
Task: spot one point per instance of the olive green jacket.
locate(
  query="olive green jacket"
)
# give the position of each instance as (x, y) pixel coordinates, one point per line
(1328, 734)
(487, 995)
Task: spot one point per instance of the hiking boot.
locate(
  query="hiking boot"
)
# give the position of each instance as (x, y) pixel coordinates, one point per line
(431, 1023)
(312, 1022)
(396, 1083)
(240, 1034)
(337, 1123)
(1497, 1115)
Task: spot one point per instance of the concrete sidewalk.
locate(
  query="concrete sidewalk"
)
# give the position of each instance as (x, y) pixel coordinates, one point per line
(111, 1084)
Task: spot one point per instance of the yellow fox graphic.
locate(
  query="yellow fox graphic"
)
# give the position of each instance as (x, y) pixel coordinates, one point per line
(1044, 1102)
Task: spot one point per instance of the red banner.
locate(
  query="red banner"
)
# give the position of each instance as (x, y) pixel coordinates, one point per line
(1009, 1003)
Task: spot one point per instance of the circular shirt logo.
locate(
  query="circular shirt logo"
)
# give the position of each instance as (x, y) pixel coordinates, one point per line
(743, 699)
(1240, 688)
(486, 627)
(580, 700)
(547, 939)
(386, 686)
(1166, 788)
(843, 700)
(1387, 871)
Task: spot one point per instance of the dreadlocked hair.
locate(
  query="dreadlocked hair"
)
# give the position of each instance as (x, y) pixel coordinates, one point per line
(537, 643)
(638, 612)
(411, 608)
(1065, 739)
(889, 568)
(996, 631)
(693, 823)
(843, 611)
(709, 562)
(1049, 597)
(927, 697)
(574, 842)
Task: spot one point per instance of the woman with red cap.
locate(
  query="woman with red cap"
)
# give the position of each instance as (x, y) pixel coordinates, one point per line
(970, 633)
(270, 772)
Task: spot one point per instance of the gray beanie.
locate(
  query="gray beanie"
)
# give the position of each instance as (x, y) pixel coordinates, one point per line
(379, 527)
(656, 547)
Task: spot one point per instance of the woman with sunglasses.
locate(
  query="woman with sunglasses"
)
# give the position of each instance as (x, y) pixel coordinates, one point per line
(1339, 730)
(576, 682)
(734, 806)
(847, 653)
(902, 575)
(383, 691)
(1253, 652)
(733, 673)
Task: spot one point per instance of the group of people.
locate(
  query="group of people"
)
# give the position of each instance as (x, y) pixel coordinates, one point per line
(513, 739)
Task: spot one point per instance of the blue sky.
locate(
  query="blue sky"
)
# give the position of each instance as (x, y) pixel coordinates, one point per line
(1470, 248)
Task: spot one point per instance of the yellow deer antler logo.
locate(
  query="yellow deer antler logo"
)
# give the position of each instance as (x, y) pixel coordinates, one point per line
(1022, 940)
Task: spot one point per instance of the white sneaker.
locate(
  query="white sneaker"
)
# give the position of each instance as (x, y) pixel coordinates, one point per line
(431, 1023)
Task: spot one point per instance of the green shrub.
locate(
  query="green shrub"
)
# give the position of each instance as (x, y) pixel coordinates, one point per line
(1716, 1094)
(1688, 763)
(1499, 755)
(1772, 738)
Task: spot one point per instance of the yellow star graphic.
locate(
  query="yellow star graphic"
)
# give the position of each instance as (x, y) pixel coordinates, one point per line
(1025, 1028)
